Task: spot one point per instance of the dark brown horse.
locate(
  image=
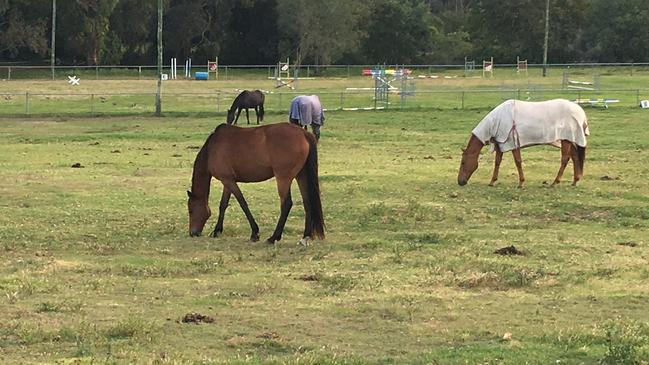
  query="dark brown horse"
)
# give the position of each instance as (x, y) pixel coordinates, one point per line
(247, 99)
(518, 124)
(233, 154)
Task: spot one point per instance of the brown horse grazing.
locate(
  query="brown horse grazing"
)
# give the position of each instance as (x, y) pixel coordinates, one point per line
(518, 124)
(247, 99)
(233, 154)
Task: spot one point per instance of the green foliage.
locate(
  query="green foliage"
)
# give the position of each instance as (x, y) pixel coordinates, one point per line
(326, 32)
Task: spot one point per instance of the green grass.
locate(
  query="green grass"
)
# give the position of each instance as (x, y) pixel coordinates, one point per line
(450, 90)
(97, 265)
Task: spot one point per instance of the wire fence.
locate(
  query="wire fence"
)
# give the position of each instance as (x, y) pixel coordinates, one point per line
(217, 103)
(238, 72)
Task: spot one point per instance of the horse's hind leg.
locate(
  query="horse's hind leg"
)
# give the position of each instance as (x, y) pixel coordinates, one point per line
(247, 116)
(304, 191)
(519, 166)
(576, 164)
(566, 149)
(257, 113)
(499, 158)
(234, 188)
(225, 199)
(284, 190)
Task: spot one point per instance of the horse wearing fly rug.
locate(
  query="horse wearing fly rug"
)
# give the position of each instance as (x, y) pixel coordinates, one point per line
(307, 110)
(245, 100)
(233, 154)
(516, 124)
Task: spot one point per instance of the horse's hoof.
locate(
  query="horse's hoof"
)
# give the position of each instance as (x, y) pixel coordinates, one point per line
(492, 184)
(272, 240)
(303, 242)
(216, 234)
(254, 237)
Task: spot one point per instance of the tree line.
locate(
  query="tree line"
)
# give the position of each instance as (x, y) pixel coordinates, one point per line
(112, 32)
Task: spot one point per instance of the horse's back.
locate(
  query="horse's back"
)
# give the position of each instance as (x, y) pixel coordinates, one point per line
(550, 121)
(259, 153)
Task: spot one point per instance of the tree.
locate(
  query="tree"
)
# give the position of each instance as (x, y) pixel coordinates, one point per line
(320, 31)
(618, 31)
(132, 31)
(22, 30)
(83, 28)
(252, 33)
(399, 32)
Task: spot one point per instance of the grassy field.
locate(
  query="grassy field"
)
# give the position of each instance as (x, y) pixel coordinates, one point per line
(97, 265)
(450, 90)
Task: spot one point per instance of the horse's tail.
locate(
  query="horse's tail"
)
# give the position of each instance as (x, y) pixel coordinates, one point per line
(581, 154)
(313, 186)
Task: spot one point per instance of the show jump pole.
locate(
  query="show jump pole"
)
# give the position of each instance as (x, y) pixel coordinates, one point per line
(158, 100)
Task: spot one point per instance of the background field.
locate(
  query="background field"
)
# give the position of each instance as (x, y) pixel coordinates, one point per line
(451, 89)
(97, 265)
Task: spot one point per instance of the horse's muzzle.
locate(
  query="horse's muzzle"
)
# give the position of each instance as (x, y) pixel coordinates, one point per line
(194, 233)
(461, 182)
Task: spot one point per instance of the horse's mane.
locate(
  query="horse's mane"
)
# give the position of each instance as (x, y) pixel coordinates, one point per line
(201, 159)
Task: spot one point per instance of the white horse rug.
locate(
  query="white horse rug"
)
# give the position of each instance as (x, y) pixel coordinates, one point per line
(517, 124)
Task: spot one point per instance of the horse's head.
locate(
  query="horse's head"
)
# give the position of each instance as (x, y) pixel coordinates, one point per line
(468, 165)
(199, 213)
(230, 117)
(469, 162)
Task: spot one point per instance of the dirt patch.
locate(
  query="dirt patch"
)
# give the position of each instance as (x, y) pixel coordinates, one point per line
(628, 244)
(176, 155)
(77, 165)
(115, 151)
(609, 178)
(508, 251)
(196, 318)
(193, 147)
(268, 335)
(310, 277)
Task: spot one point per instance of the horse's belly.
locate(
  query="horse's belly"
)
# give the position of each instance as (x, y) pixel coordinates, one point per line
(255, 174)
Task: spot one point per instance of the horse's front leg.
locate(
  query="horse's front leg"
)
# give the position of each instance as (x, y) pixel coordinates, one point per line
(519, 166)
(238, 114)
(234, 188)
(566, 148)
(499, 158)
(225, 199)
(257, 114)
(247, 116)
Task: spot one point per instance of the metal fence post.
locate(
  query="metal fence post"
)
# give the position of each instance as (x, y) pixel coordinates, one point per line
(226, 73)
(27, 102)
(8, 73)
(139, 72)
(96, 72)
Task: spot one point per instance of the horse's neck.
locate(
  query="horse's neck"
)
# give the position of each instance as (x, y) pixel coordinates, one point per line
(474, 145)
(201, 176)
